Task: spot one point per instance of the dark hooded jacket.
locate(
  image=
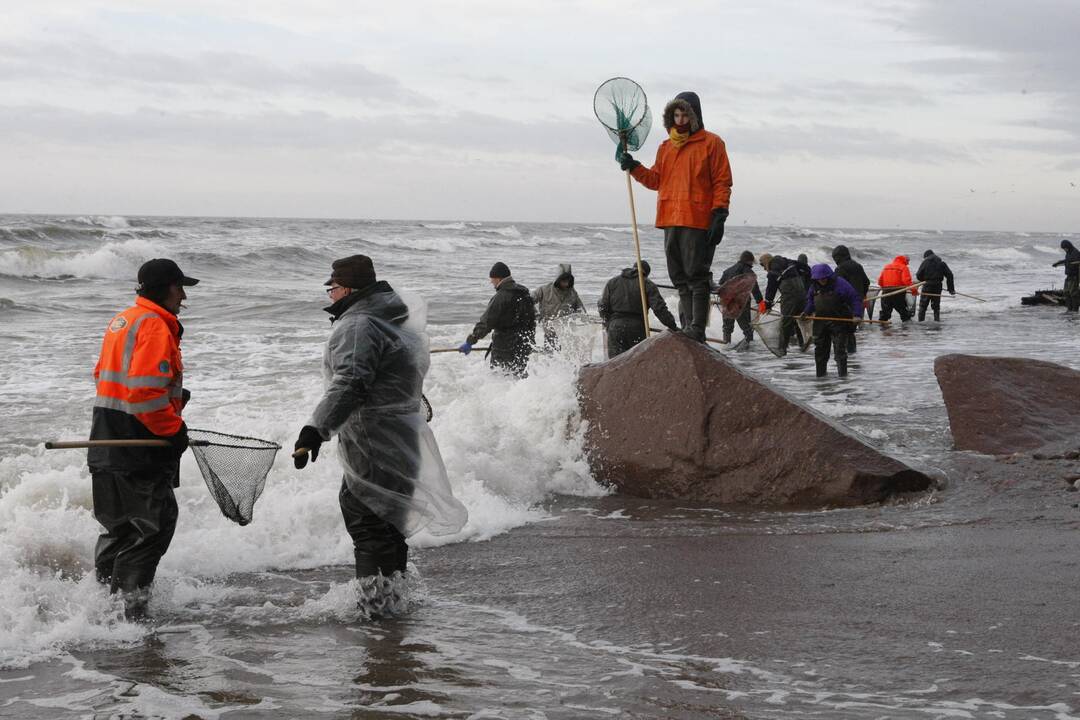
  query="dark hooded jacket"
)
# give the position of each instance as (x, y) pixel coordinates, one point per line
(934, 270)
(622, 299)
(781, 270)
(511, 319)
(850, 270)
(1071, 261)
(742, 268)
(836, 298)
(553, 301)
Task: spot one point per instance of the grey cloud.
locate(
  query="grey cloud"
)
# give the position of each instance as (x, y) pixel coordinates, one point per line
(839, 142)
(93, 63)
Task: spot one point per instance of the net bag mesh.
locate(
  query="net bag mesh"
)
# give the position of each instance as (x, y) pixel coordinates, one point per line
(234, 468)
(622, 108)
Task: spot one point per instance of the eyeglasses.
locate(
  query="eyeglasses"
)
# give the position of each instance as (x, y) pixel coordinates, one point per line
(330, 290)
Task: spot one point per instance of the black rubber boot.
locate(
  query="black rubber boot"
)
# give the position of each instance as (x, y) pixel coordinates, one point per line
(726, 339)
(700, 317)
(822, 368)
(686, 309)
(841, 366)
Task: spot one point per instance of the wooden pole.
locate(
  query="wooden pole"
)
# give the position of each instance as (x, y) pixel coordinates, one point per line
(450, 350)
(839, 319)
(637, 252)
(895, 292)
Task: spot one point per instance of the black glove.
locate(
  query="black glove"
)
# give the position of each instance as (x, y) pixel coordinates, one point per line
(185, 395)
(312, 440)
(627, 162)
(716, 225)
(179, 441)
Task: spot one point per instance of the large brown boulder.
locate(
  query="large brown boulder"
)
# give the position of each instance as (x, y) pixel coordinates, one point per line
(674, 419)
(1002, 405)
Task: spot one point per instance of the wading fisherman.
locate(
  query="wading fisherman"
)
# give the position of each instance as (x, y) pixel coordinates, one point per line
(511, 320)
(895, 276)
(620, 309)
(791, 279)
(933, 270)
(394, 481)
(857, 278)
(693, 177)
(744, 266)
(831, 296)
(555, 302)
(140, 396)
(1072, 275)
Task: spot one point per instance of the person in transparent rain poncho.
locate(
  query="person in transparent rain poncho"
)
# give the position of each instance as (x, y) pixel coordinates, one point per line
(374, 364)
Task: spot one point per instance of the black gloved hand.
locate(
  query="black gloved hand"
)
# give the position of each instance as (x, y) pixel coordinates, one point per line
(179, 441)
(312, 440)
(627, 162)
(716, 225)
(185, 395)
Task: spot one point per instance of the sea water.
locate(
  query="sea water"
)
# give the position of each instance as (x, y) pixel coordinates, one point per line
(254, 332)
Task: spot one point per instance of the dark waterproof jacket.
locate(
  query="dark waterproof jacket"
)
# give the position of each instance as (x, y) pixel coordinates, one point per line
(510, 318)
(850, 270)
(741, 268)
(622, 299)
(782, 269)
(1071, 261)
(835, 298)
(933, 270)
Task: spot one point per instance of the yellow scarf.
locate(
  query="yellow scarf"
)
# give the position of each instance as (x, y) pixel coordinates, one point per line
(678, 139)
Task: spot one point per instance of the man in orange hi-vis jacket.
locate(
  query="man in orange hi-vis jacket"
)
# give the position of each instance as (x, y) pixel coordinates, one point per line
(692, 178)
(895, 276)
(140, 395)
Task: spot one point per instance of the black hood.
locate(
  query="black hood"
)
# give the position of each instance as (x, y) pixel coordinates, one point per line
(1067, 245)
(695, 104)
(693, 109)
(841, 254)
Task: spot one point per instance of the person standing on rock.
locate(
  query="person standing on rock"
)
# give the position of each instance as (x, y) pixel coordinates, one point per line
(394, 480)
(556, 302)
(830, 296)
(790, 278)
(933, 271)
(1072, 275)
(511, 319)
(744, 266)
(620, 309)
(895, 276)
(857, 278)
(693, 177)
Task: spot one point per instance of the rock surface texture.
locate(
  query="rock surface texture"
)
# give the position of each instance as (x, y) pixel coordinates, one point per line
(1001, 405)
(674, 419)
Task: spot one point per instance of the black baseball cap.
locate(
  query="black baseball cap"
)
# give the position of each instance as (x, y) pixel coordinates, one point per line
(162, 271)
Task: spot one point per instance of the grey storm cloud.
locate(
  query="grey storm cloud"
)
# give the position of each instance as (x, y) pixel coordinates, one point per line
(94, 63)
(838, 142)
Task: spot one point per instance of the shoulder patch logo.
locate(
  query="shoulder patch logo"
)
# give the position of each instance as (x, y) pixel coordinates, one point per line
(163, 367)
(119, 323)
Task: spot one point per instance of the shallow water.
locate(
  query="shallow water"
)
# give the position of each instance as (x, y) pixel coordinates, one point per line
(263, 617)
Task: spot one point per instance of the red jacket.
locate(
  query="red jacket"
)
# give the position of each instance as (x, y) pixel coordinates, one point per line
(896, 275)
(691, 180)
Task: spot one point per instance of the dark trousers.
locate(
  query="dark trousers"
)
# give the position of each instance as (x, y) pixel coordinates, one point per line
(1072, 292)
(933, 302)
(378, 546)
(830, 336)
(792, 302)
(623, 333)
(689, 257)
(138, 511)
(744, 323)
(851, 344)
(897, 302)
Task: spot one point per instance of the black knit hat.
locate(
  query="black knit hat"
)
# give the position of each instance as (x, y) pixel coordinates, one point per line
(162, 272)
(928, 253)
(747, 257)
(499, 270)
(355, 271)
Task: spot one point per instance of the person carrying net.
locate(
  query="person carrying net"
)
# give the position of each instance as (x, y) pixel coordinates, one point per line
(693, 178)
(394, 480)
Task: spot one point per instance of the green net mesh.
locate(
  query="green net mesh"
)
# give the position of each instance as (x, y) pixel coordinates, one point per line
(622, 108)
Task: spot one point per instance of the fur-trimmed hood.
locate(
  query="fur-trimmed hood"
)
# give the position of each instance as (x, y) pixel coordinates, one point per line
(689, 103)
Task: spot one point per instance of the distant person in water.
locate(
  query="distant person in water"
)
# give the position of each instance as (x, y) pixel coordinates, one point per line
(933, 271)
(511, 320)
(789, 277)
(857, 278)
(895, 276)
(620, 309)
(1072, 275)
(744, 266)
(831, 296)
(693, 177)
(556, 302)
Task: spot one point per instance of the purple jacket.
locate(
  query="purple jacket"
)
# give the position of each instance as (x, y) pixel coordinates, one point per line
(843, 289)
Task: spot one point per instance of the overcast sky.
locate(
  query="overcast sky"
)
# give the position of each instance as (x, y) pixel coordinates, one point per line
(950, 114)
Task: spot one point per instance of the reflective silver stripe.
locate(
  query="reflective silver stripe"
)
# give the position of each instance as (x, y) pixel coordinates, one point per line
(129, 341)
(134, 381)
(158, 403)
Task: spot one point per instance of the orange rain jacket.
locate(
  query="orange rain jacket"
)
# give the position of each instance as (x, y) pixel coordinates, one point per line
(691, 180)
(896, 275)
(139, 379)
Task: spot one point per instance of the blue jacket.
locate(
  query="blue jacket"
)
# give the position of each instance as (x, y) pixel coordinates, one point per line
(843, 290)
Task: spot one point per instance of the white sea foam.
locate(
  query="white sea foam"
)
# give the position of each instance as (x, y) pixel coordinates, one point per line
(118, 260)
(444, 226)
(104, 221)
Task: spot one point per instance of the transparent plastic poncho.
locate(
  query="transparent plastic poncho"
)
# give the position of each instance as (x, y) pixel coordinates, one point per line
(374, 367)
